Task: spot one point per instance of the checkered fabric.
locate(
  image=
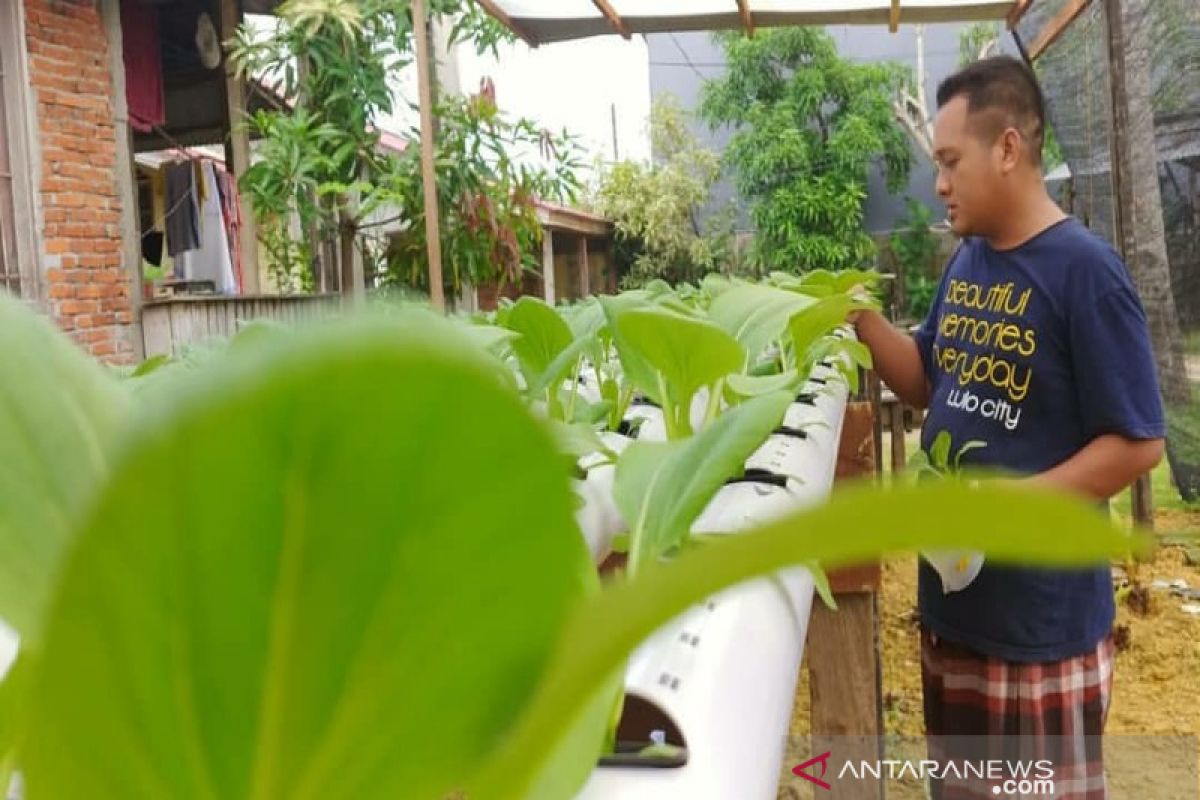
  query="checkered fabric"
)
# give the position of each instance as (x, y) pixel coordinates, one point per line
(979, 708)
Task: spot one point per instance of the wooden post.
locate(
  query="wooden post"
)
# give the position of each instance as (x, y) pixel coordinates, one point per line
(548, 266)
(875, 398)
(895, 421)
(844, 665)
(239, 149)
(433, 240)
(585, 276)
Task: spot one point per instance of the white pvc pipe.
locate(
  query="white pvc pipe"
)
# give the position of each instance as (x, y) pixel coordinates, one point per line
(599, 519)
(725, 671)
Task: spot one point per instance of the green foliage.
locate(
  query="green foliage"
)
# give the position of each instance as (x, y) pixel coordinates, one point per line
(663, 487)
(976, 39)
(322, 165)
(808, 126)
(486, 193)
(656, 207)
(915, 248)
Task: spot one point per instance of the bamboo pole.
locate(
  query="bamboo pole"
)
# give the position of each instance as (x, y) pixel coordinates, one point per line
(428, 181)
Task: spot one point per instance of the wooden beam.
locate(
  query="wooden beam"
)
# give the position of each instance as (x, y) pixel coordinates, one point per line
(433, 242)
(239, 149)
(1055, 27)
(1017, 11)
(747, 20)
(894, 16)
(613, 18)
(548, 288)
(504, 19)
(585, 275)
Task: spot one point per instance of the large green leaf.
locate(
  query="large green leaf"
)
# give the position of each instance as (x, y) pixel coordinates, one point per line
(321, 606)
(544, 335)
(638, 371)
(815, 322)
(688, 353)
(661, 488)
(756, 315)
(755, 385)
(1010, 524)
(61, 417)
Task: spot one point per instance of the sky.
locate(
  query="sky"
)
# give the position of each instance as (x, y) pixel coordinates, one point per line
(573, 85)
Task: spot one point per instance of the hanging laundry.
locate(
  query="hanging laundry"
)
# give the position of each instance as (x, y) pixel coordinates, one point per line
(211, 261)
(182, 218)
(231, 208)
(142, 54)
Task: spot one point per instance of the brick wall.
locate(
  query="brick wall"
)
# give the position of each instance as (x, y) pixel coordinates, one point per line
(88, 286)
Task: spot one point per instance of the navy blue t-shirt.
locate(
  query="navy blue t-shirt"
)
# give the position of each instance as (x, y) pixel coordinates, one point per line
(1035, 351)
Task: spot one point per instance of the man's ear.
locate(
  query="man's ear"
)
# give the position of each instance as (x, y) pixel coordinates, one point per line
(1011, 145)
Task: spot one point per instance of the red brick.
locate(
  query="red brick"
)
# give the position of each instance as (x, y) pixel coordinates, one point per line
(93, 261)
(72, 307)
(59, 291)
(104, 348)
(55, 275)
(93, 335)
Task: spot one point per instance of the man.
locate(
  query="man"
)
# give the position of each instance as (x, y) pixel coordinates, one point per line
(1037, 347)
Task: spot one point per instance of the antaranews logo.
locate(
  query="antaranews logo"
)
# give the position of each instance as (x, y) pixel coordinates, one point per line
(1022, 778)
(801, 770)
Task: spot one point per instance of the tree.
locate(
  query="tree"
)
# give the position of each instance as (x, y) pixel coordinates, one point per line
(808, 125)
(656, 207)
(322, 164)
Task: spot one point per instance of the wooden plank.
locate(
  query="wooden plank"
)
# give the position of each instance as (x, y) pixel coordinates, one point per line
(894, 16)
(856, 461)
(1142, 497)
(845, 687)
(896, 426)
(507, 21)
(1055, 27)
(842, 651)
(1018, 10)
(614, 19)
(875, 396)
(428, 179)
(156, 329)
(747, 18)
(548, 267)
(585, 276)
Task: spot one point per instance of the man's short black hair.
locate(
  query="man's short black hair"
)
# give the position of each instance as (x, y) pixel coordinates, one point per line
(1007, 89)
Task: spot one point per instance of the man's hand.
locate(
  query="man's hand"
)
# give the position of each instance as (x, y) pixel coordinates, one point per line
(861, 295)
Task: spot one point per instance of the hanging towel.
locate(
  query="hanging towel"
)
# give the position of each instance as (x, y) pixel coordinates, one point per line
(142, 54)
(182, 218)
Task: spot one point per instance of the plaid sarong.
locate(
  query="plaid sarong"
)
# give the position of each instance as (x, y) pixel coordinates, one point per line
(979, 708)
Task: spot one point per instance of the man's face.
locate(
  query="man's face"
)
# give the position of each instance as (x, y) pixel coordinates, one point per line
(970, 177)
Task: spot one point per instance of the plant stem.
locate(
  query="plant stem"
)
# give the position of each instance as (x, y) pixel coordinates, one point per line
(668, 409)
(574, 389)
(714, 402)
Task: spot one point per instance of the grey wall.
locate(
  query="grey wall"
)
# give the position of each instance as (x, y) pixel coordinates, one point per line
(679, 63)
